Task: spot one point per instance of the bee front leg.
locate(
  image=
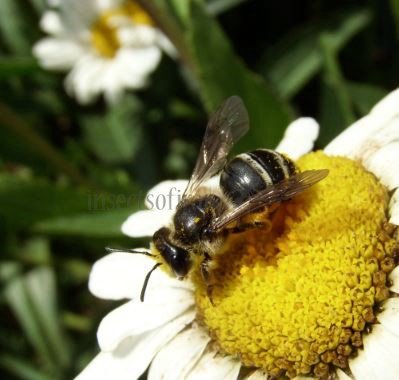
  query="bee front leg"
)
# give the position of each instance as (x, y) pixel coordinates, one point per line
(204, 268)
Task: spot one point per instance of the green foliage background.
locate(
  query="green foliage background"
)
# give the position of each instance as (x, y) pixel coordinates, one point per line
(70, 175)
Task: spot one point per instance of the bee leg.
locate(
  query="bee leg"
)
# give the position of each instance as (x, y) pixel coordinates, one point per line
(204, 268)
(242, 227)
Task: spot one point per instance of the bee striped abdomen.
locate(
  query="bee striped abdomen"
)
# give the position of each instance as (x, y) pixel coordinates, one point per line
(248, 173)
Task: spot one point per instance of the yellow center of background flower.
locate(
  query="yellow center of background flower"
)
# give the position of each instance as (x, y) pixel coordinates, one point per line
(296, 299)
(104, 32)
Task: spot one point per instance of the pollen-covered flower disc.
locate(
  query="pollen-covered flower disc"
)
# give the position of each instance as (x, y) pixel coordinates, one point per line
(299, 297)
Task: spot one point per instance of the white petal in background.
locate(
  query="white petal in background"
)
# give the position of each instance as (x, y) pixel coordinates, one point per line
(78, 15)
(57, 53)
(212, 366)
(84, 80)
(177, 358)
(121, 275)
(134, 355)
(299, 137)
(135, 318)
(51, 23)
(394, 277)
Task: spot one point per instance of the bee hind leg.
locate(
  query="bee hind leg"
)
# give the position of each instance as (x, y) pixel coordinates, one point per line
(242, 227)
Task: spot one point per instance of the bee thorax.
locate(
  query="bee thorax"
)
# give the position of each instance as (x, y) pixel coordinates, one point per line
(193, 219)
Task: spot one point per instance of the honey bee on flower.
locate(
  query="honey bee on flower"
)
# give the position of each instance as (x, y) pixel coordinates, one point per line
(314, 295)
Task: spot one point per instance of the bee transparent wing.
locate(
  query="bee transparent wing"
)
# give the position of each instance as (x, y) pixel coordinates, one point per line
(282, 191)
(225, 127)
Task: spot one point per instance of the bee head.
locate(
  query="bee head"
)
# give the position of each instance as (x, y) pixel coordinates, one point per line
(177, 258)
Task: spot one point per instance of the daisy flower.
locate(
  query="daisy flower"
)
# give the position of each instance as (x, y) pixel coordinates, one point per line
(106, 45)
(313, 297)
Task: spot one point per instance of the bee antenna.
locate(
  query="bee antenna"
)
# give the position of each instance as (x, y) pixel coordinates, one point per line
(147, 277)
(145, 252)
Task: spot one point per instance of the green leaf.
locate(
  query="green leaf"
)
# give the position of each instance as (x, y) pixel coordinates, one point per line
(12, 120)
(395, 12)
(298, 57)
(17, 66)
(336, 105)
(32, 299)
(42, 291)
(365, 96)
(116, 137)
(221, 74)
(25, 200)
(21, 368)
(215, 7)
(95, 224)
(39, 5)
(14, 26)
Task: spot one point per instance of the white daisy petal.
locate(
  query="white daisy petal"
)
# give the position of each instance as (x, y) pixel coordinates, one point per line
(177, 358)
(134, 318)
(384, 164)
(352, 139)
(121, 275)
(166, 194)
(212, 366)
(394, 208)
(381, 348)
(388, 106)
(389, 318)
(133, 356)
(299, 137)
(57, 53)
(257, 375)
(361, 368)
(146, 222)
(394, 277)
(342, 375)
(371, 132)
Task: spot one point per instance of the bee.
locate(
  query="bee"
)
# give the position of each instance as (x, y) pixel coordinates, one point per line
(250, 182)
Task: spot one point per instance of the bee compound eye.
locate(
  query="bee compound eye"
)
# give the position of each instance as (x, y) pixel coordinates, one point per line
(176, 257)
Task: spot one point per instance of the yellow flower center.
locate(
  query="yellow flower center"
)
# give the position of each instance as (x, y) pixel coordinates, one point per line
(296, 298)
(104, 32)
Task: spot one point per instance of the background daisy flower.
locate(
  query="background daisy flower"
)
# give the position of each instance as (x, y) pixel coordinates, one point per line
(178, 333)
(107, 46)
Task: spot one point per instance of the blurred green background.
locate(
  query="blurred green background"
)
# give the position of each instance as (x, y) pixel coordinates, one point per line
(328, 59)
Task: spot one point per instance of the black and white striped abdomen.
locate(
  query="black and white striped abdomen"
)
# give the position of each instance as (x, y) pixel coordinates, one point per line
(248, 173)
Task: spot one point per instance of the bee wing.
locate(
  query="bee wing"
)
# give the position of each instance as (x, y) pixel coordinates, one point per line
(277, 193)
(226, 126)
